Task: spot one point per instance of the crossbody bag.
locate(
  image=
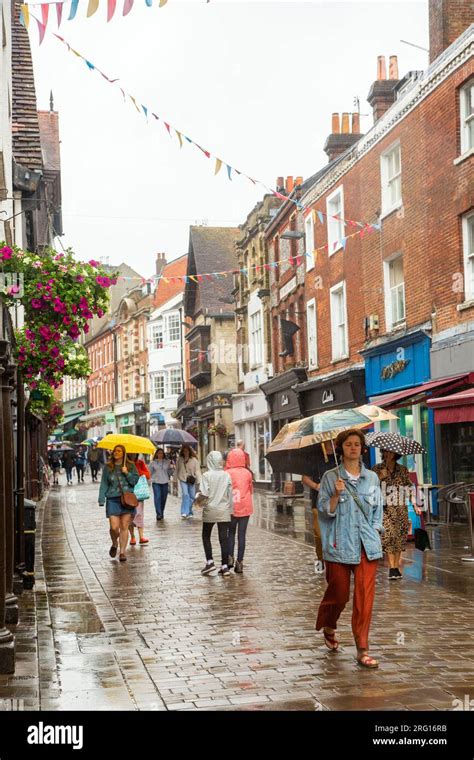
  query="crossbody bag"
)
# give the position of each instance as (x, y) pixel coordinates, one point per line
(128, 499)
(357, 500)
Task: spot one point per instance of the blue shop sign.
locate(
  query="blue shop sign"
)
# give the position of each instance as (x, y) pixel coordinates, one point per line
(399, 365)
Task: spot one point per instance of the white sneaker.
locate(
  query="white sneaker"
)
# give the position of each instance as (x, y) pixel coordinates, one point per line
(319, 568)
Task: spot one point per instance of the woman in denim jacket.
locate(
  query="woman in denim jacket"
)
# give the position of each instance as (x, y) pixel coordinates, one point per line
(350, 515)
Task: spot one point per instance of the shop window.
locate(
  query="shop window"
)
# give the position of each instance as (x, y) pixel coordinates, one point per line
(468, 245)
(391, 177)
(335, 216)
(339, 322)
(394, 292)
(309, 241)
(466, 102)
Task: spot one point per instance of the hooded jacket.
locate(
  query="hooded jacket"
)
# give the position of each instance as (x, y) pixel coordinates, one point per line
(242, 483)
(217, 486)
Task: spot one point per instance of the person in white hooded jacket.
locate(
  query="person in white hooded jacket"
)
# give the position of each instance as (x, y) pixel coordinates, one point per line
(216, 488)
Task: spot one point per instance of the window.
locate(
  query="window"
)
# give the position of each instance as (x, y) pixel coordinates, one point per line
(394, 292)
(174, 328)
(141, 337)
(175, 381)
(467, 117)
(158, 387)
(256, 339)
(157, 335)
(309, 240)
(339, 322)
(119, 348)
(312, 334)
(391, 175)
(468, 242)
(335, 208)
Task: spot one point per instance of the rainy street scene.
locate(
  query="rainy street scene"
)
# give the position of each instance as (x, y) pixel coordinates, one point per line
(237, 372)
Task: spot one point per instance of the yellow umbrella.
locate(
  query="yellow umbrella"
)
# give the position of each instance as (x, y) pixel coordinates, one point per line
(134, 444)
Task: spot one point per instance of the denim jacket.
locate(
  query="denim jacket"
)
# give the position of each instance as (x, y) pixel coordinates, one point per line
(344, 531)
(109, 486)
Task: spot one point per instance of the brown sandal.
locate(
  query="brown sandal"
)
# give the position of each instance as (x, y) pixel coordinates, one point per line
(113, 551)
(122, 558)
(367, 662)
(330, 641)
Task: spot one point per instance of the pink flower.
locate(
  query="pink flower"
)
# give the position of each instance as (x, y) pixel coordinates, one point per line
(62, 268)
(13, 290)
(6, 253)
(86, 328)
(74, 309)
(54, 352)
(66, 320)
(60, 363)
(33, 384)
(29, 334)
(39, 286)
(113, 280)
(94, 263)
(36, 303)
(45, 332)
(100, 313)
(36, 264)
(56, 336)
(59, 257)
(80, 278)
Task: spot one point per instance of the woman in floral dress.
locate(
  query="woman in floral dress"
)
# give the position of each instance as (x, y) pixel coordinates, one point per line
(397, 490)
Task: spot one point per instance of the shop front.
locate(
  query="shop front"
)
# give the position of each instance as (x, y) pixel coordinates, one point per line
(252, 425)
(338, 390)
(454, 420)
(396, 375)
(71, 427)
(98, 424)
(284, 404)
(215, 429)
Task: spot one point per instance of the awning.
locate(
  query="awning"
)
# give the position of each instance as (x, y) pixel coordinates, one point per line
(458, 407)
(69, 419)
(420, 392)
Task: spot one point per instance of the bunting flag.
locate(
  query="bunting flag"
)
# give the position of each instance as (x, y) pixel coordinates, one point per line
(25, 16)
(179, 136)
(111, 5)
(45, 13)
(92, 7)
(73, 11)
(127, 7)
(59, 13)
(363, 226)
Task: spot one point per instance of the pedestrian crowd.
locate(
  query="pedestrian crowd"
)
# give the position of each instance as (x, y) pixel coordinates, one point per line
(358, 514)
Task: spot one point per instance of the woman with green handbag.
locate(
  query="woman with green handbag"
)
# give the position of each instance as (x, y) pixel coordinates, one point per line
(139, 519)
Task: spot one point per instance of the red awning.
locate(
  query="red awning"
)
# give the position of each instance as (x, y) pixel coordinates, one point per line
(458, 407)
(419, 392)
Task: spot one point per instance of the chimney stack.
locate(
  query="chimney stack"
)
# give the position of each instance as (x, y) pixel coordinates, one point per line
(289, 185)
(448, 19)
(341, 137)
(160, 262)
(382, 93)
(298, 181)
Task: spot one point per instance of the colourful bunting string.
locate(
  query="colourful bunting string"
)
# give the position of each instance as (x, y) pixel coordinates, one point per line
(363, 226)
(111, 5)
(59, 13)
(127, 7)
(73, 11)
(92, 7)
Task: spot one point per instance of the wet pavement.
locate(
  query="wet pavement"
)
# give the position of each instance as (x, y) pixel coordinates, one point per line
(153, 634)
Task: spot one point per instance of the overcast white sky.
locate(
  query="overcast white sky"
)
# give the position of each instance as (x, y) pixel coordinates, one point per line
(253, 82)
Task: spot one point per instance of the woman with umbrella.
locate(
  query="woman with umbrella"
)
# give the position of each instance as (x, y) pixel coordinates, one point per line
(350, 510)
(188, 472)
(119, 476)
(397, 490)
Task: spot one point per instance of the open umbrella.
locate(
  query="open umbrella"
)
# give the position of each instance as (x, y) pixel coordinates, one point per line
(133, 444)
(298, 444)
(395, 442)
(174, 437)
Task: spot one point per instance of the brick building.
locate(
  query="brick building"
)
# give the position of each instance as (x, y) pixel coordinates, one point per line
(209, 307)
(253, 323)
(101, 384)
(397, 303)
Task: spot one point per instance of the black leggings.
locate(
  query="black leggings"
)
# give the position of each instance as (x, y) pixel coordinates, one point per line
(223, 528)
(239, 524)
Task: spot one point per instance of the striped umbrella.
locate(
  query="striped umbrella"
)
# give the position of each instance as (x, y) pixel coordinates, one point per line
(395, 442)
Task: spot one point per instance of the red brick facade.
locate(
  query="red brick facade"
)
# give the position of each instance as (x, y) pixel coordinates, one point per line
(101, 381)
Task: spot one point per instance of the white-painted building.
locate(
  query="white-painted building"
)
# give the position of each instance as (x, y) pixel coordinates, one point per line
(165, 361)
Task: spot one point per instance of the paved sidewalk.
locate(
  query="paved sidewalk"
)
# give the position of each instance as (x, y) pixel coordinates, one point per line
(153, 634)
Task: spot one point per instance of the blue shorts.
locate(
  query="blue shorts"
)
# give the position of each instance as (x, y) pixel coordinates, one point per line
(114, 508)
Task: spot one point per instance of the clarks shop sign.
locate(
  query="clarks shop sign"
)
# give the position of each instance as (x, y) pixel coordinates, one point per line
(390, 370)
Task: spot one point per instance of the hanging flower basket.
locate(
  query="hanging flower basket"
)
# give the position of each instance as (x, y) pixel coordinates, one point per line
(217, 429)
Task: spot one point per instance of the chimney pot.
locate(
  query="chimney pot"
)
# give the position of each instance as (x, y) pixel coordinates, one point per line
(356, 123)
(299, 181)
(345, 124)
(289, 185)
(335, 124)
(381, 68)
(393, 67)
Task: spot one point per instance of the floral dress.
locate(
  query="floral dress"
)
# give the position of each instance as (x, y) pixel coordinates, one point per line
(395, 489)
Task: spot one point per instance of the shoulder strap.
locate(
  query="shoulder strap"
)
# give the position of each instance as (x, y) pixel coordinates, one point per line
(356, 498)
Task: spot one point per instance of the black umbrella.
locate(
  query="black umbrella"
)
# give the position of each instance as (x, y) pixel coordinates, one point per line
(60, 450)
(174, 436)
(395, 442)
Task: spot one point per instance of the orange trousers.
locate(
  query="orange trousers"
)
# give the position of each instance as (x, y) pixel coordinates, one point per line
(337, 595)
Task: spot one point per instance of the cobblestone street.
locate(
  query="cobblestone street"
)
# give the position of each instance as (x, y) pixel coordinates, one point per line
(153, 634)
